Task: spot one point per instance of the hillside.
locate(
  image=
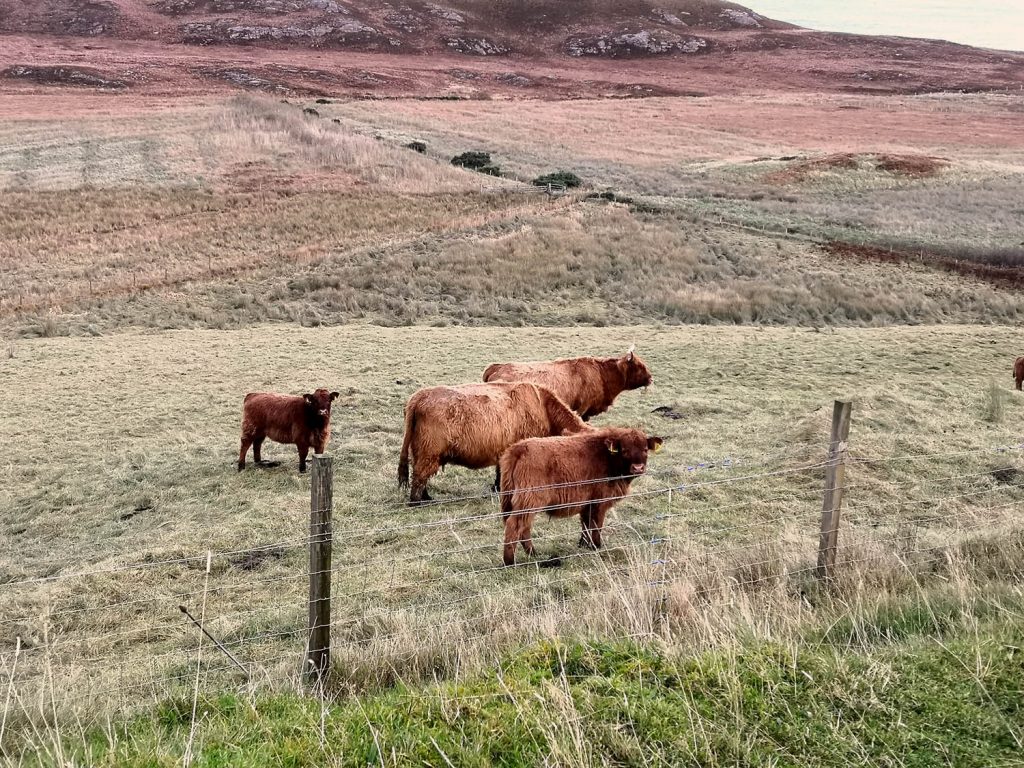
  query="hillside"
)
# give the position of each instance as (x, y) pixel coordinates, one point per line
(464, 48)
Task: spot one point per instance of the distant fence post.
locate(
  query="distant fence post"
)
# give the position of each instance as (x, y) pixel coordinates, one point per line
(833, 502)
(318, 652)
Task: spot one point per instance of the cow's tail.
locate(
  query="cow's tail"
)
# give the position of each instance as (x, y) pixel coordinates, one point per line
(403, 459)
(491, 370)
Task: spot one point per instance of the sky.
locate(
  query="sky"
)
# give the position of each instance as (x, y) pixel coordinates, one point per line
(985, 23)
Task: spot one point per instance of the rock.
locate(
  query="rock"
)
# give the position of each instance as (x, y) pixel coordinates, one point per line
(63, 76)
(739, 18)
(445, 14)
(243, 79)
(642, 43)
(511, 78)
(476, 46)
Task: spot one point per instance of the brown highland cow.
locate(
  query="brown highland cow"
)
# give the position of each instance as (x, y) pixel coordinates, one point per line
(472, 424)
(584, 474)
(1018, 372)
(304, 422)
(588, 385)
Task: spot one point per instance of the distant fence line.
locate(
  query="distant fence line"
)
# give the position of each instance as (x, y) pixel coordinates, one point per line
(395, 587)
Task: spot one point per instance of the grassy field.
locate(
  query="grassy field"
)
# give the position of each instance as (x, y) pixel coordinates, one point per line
(126, 447)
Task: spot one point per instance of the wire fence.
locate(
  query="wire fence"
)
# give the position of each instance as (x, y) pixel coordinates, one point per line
(416, 590)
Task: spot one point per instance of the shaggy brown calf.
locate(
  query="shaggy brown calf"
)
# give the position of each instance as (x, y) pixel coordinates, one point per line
(472, 424)
(300, 421)
(584, 474)
(588, 385)
(1018, 372)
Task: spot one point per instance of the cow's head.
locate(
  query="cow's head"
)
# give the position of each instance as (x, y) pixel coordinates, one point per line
(319, 403)
(629, 450)
(635, 370)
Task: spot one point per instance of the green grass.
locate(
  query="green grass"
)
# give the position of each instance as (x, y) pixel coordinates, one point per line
(917, 693)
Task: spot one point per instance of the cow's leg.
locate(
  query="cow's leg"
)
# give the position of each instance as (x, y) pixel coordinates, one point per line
(526, 532)
(303, 453)
(257, 444)
(246, 442)
(497, 477)
(1019, 383)
(587, 525)
(597, 524)
(423, 469)
(508, 554)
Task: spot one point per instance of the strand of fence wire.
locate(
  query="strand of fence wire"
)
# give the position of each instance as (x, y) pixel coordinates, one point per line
(852, 461)
(486, 594)
(215, 590)
(305, 540)
(418, 610)
(808, 569)
(249, 585)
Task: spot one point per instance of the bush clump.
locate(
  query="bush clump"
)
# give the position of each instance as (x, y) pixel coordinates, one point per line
(477, 161)
(566, 179)
(473, 160)
(417, 146)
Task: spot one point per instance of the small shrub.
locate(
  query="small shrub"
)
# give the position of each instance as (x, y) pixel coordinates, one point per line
(311, 112)
(417, 146)
(323, 101)
(566, 179)
(476, 161)
(993, 406)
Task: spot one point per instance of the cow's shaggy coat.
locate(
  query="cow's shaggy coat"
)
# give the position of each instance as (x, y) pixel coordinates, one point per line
(588, 385)
(584, 474)
(472, 424)
(304, 422)
(1018, 372)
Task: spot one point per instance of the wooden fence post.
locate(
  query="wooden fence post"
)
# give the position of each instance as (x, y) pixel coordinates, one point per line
(318, 652)
(833, 502)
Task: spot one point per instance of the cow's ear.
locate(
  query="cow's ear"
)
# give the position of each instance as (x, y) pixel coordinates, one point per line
(613, 446)
(655, 443)
(309, 399)
(335, 396)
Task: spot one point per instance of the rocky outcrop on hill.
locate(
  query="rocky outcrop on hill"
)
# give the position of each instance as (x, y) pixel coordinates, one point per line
(82, 76)
(641, 43)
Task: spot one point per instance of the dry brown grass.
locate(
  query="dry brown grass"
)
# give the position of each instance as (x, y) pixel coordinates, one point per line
(506, 260)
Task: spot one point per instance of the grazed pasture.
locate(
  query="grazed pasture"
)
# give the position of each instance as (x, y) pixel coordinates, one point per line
(137, 464)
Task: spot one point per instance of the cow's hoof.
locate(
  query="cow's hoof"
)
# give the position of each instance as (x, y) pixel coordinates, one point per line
(586, 543)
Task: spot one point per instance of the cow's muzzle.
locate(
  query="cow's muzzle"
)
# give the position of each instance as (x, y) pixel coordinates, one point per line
(637, 469)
